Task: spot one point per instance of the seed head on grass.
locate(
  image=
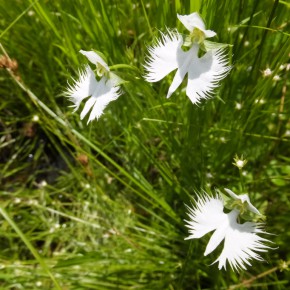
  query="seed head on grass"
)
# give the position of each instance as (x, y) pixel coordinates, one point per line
(100, 91)
(241, 241)
(240, 162)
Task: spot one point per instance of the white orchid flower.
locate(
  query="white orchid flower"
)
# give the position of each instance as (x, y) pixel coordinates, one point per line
(203, 72)
(195, 25)
(241, 241)
(99, 92)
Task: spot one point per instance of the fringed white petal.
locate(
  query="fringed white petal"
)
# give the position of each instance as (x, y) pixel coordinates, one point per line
(83, 87)
(204, 74)
(241, 244)
(241, 241)
(163, 56)
(94, 58)
(205, 217)
(104, 93)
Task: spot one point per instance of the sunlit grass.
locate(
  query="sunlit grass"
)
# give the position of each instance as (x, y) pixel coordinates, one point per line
(102, 206)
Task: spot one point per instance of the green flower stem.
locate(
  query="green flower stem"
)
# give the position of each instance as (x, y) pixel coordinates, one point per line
(146, 17)
(125, 66)
(264, 28)
(242, 185)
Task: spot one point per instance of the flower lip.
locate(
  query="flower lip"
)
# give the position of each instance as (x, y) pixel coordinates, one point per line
(193, 21)
(95, 59)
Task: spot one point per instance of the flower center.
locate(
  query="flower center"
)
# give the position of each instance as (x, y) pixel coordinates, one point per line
(100, 70)
(240, 206)
(197, 36)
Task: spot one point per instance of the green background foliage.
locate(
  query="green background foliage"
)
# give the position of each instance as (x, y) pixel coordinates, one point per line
(102, 206)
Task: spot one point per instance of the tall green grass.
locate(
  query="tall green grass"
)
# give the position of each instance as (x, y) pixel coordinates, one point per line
(102, 206)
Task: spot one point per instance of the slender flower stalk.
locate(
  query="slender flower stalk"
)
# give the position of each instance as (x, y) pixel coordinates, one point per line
(100, 92)
(204, 73)
(241, 241)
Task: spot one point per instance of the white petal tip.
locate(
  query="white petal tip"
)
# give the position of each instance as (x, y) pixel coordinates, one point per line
(209, 33)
